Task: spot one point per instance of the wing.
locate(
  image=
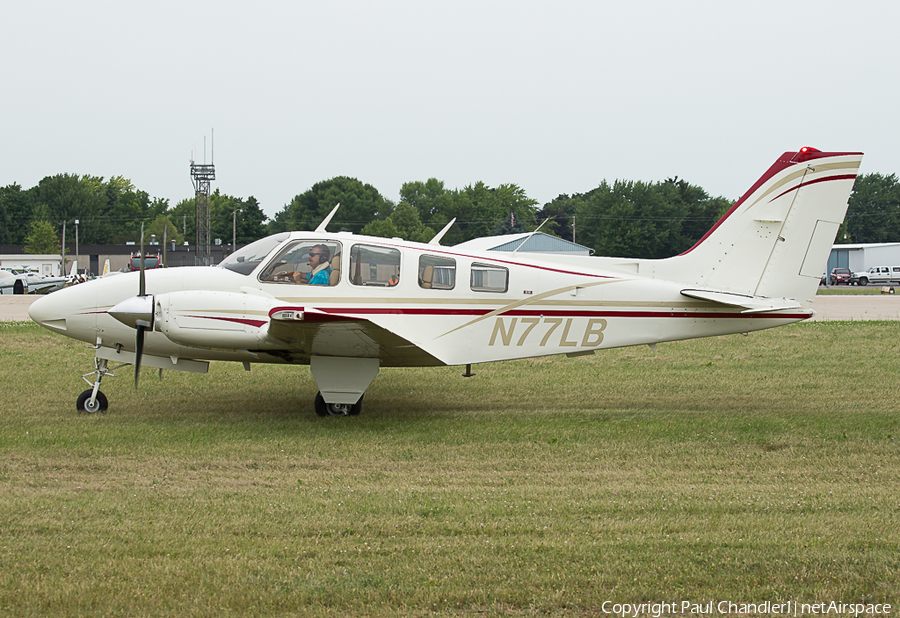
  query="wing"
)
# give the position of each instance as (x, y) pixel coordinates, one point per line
(302, 333)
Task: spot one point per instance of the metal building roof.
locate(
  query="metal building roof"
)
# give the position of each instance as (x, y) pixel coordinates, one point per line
(526, 242)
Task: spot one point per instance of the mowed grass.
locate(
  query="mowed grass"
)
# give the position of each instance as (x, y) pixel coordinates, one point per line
(736, 468)
(853, 290)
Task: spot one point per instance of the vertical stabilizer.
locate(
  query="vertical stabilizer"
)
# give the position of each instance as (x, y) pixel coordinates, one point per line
(775, 240)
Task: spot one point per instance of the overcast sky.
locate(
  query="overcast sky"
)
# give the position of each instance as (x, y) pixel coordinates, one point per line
(553, 96)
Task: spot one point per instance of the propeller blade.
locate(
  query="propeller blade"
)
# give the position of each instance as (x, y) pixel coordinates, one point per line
(141, 323)
(142, 288)
(138, 353)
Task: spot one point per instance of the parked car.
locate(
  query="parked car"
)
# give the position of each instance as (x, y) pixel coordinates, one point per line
(151, 260)
(840, 275)
(877, 274)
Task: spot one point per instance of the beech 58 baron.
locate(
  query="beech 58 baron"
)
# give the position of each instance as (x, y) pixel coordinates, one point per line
(347, 305)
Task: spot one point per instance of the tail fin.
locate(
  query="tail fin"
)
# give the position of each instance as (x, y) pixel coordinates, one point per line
(775, 240)
(106, 267)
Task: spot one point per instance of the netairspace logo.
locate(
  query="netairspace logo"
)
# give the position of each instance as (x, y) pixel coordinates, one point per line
(725, 608)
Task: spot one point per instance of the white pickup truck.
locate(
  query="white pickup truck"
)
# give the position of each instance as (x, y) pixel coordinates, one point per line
(877, 274)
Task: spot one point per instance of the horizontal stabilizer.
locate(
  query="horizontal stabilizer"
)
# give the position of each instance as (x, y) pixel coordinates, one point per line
(749, 304)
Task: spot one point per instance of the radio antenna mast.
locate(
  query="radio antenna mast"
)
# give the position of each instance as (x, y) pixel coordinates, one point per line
(202, 176)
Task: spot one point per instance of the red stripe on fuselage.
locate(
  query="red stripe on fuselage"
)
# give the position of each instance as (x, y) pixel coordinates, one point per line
(353, 313)
(246, 321)
(341, 313)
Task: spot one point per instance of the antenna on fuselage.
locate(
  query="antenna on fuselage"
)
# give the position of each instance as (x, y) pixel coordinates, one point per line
(524, 240)
(437, 237)
(327, 219)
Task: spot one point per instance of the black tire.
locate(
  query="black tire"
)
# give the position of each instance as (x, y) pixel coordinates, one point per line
(320, 405)
(100, 403)
(863, 281)
(336, 409)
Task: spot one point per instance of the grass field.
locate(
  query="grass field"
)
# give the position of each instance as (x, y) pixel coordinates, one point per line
(736, 469)
(851, 290)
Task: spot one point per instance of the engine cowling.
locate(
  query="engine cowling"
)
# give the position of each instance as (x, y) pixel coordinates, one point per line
(212, 319)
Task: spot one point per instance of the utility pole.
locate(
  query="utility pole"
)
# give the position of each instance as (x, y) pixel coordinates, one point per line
(62, 268)
(234, 229)
(76, 246)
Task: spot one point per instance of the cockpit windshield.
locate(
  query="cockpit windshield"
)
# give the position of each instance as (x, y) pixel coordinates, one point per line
(248, 258)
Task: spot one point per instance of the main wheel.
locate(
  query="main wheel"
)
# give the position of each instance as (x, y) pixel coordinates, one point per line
(336, 409)
(84, 402)
(864, 281)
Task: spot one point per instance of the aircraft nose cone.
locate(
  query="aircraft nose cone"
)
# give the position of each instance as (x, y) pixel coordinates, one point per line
(49, 312)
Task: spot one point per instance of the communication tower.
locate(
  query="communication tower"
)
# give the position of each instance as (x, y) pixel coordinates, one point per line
(202, 175)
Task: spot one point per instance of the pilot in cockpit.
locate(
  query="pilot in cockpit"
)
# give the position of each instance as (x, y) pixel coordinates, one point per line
(320, 269)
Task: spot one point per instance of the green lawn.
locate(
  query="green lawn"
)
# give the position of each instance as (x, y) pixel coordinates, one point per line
(736, 468)
(852, 290)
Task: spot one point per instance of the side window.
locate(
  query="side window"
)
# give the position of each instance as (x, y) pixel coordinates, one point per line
(374, 266)
(437, 273)
(488, 278)
(306, 262)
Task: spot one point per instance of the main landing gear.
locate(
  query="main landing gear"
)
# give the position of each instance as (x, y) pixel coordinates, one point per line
(342, 382)
(92, 400)
(337, 409)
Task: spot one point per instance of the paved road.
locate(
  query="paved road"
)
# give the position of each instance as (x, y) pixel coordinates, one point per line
(859, 308)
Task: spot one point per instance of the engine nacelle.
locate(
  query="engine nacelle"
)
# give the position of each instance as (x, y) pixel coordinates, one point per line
(211, 319)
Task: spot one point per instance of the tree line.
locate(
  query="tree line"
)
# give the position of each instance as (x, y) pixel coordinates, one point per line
(623, 218)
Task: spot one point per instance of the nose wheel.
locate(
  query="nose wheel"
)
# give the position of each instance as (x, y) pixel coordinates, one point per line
(90, 403)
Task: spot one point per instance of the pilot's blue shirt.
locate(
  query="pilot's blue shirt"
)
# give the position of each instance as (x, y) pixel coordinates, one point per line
(323, 277)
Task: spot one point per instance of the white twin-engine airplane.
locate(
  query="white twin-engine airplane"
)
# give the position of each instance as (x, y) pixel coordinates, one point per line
(347, 305)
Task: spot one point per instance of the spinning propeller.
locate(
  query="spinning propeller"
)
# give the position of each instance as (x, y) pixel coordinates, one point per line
(137, 312)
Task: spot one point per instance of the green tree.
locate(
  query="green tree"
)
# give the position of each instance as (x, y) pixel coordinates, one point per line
(629, 219)
(360, 205)
(561, 214)
(873, 212)
(42, 238)
(164, 230)
(16, 208)
(432, 201)
(383, 228)
(637, 219)
(68, 197)
(126, 208)
(232, 215)
(183, 215)
(403, 223)
(251, 223)
(479, 210)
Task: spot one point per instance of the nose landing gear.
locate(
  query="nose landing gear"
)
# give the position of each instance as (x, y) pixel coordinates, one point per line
(92, 400)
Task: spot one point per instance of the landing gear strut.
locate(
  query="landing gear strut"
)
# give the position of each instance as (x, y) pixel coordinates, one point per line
(337, 409)
(92, 400)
